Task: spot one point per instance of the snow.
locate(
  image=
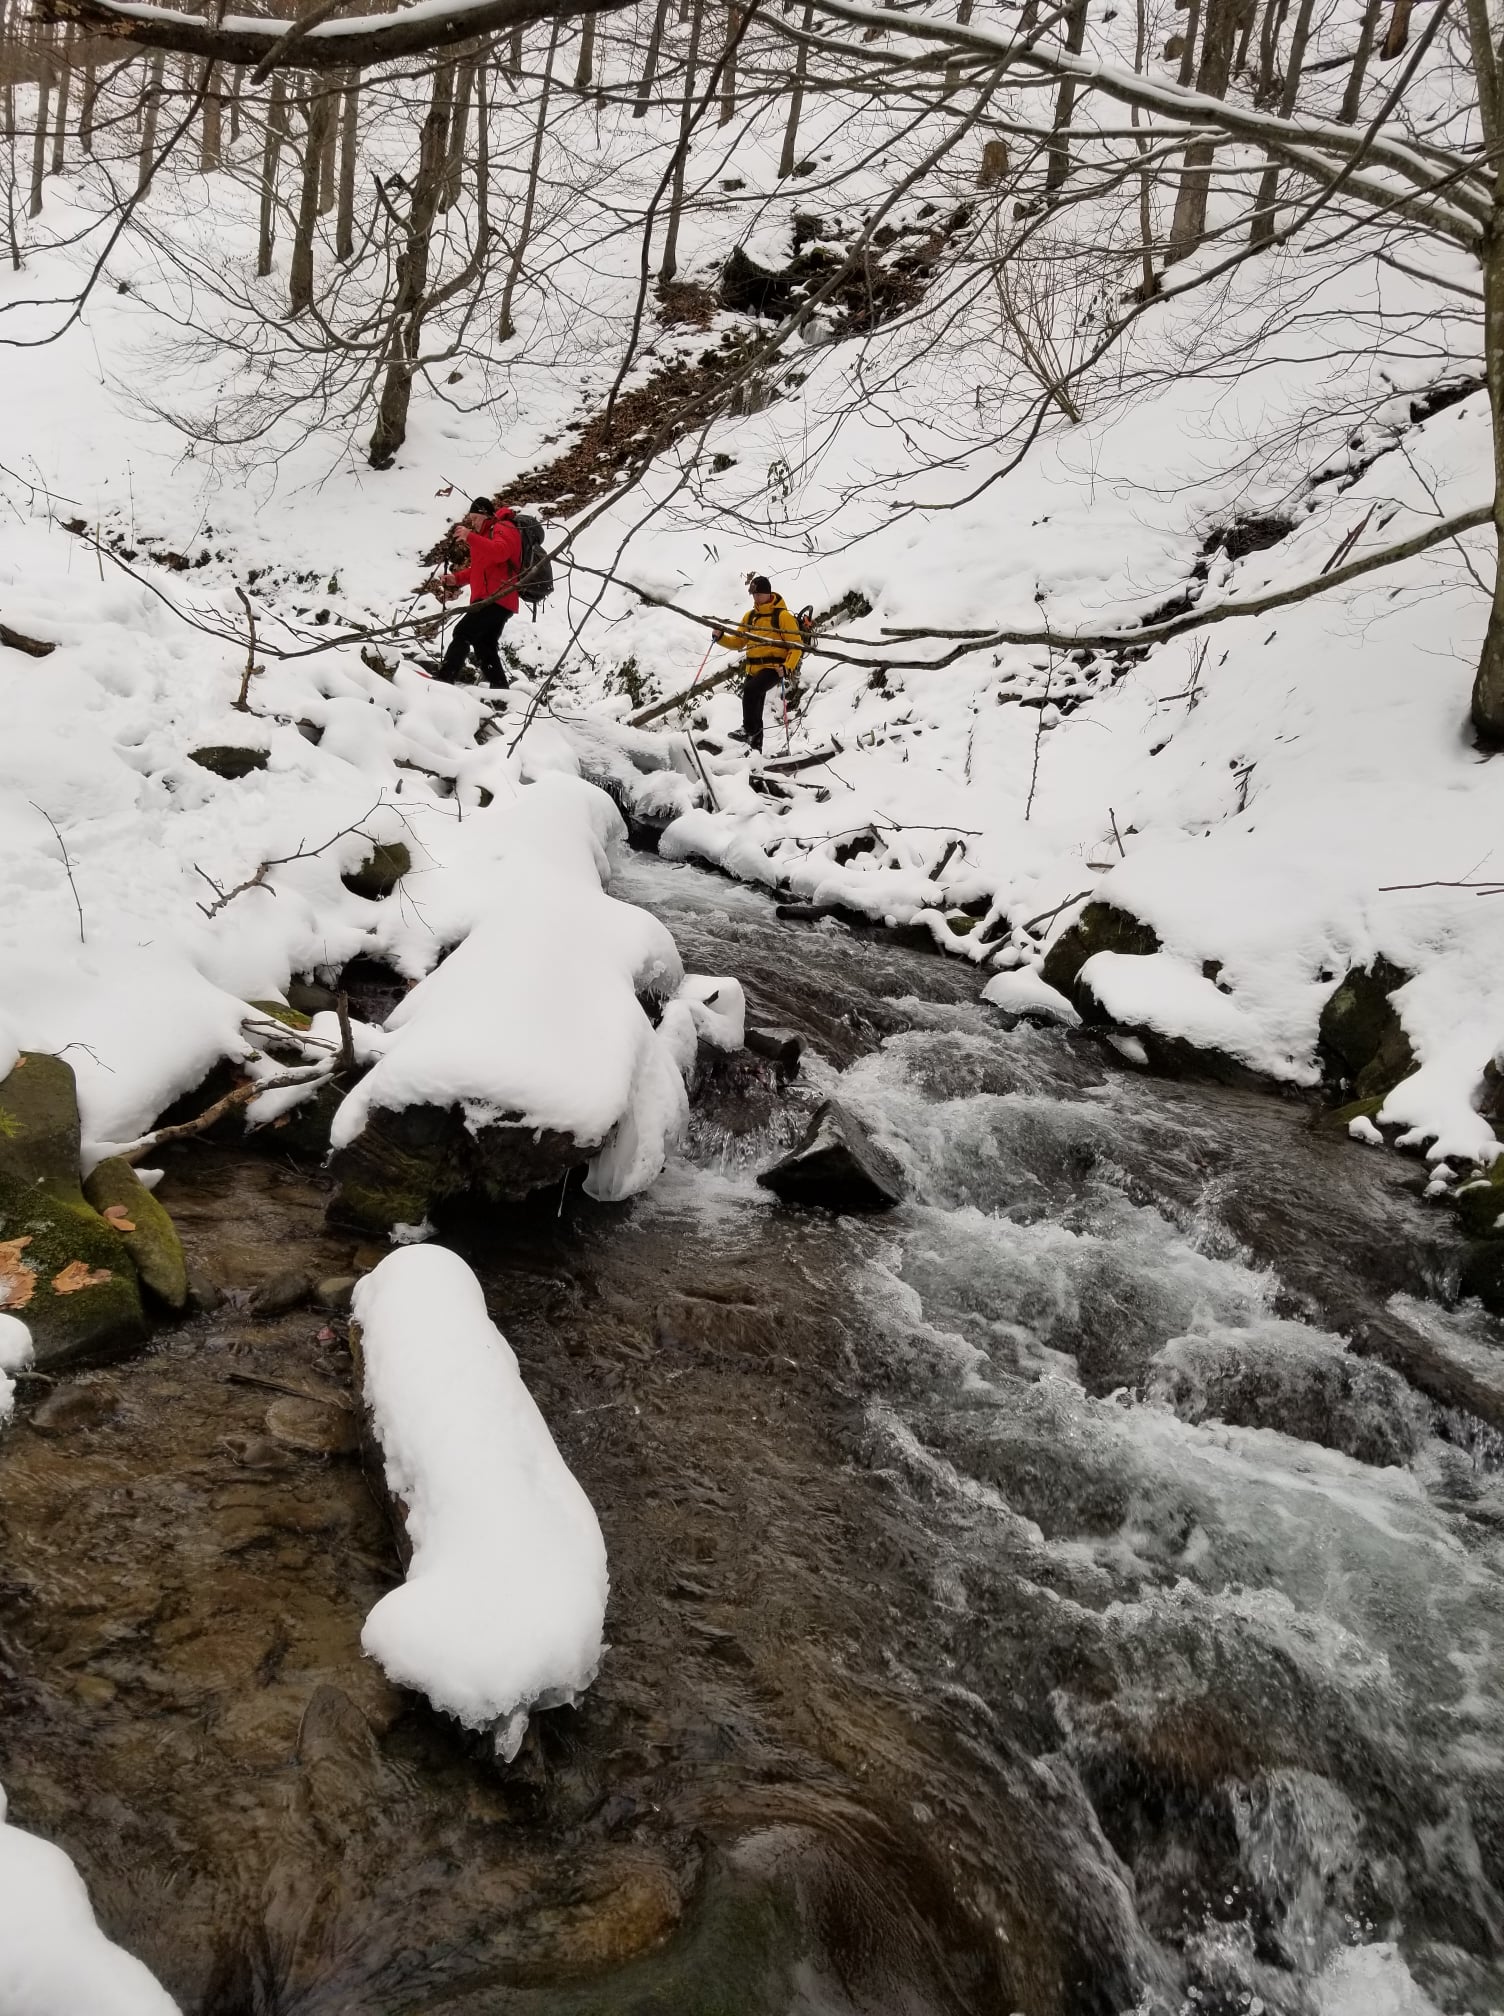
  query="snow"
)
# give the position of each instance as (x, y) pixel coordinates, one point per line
(1024, 993)
(54, 1960)
(504, 1603)
(15, 1356)
(534, 1018)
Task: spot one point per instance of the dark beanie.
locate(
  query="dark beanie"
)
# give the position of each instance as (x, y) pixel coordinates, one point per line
(482, 504)
(760, 585)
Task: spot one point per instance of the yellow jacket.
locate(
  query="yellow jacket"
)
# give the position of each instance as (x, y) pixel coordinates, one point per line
(770, 637)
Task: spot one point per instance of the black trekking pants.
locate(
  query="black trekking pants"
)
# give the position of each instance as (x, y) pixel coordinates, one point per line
(755, 690)
(478, 631)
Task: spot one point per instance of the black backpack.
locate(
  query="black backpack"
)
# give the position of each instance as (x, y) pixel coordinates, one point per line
(535, 581)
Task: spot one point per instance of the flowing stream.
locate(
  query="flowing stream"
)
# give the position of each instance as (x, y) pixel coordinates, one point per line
(1022, 1602)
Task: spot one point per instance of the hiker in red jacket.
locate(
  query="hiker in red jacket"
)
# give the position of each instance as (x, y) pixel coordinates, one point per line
(494, 545)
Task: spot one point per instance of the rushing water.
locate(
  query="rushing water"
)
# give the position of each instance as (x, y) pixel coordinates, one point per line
(1023, 1602)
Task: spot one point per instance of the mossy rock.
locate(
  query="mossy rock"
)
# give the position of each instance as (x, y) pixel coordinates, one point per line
(1480, 1204)
(303, 1130)
(1101, 927)
(278, 1011)
(381, 871)
(115, 1190)
(1483, 1273)
(403, 1164)
(70, 1277)
(1361, 1038)
(1338, 1119)
(226, 759)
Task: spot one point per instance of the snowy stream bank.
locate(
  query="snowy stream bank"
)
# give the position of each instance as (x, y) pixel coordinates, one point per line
(1042, 1598)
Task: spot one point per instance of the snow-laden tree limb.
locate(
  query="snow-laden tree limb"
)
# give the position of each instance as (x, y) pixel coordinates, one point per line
(327, 44)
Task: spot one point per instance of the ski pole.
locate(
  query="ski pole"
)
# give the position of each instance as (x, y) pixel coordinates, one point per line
(703, 663)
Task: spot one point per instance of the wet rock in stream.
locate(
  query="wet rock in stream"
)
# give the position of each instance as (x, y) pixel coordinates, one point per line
(837, 1165)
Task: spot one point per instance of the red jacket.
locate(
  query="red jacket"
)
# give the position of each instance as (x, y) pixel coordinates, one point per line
(495, 563)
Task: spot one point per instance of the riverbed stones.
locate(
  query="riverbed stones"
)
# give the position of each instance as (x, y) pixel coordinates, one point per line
(837, 1166)
(381, 871)
(780, 1046)
(63, 1269)
(118, 1194)
(404, 1163)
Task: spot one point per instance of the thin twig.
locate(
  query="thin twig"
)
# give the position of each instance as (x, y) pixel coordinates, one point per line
(302, 853)
(67, 864)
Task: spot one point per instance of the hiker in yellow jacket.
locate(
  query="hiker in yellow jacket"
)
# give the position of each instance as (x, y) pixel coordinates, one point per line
(769, 634)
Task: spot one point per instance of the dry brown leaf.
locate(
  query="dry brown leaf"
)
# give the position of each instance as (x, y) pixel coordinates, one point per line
(115, 1214)
(18, 1282)
(78, 1274)
(17, 1289)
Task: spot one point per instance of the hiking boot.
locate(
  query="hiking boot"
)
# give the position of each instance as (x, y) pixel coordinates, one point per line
(737, 735)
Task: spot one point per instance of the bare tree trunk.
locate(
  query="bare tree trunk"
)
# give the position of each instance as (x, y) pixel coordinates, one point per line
(584, 70)
(728, 70)
(459, 129)
(1399, 31)
(328, 148)
(271, 157)
(650, 62)
(1261, 231)
(1065, 103)
(349, 148)
(212, 148)
(1188, 226)
(1269, 34)
(410, 301)
(318, 113)
(1488, 686)
(39, 136)
(237, 80)
(515, 63)
(1188, 53)
(1149, 284)
(670, 265)
(1249, 21)
(149, 122)
(963, 16)
(504, 327)
(790, 154)
(1352, 97)
(86, 108)
(60, 123)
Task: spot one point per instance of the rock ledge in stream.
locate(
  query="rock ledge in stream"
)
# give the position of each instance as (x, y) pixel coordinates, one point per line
(63, 1270)
(404, 1163)
(836, 1165)
(151, 1238)
(1362, 1040)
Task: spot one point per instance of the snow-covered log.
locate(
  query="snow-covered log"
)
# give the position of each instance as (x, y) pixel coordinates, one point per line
(504, 1603)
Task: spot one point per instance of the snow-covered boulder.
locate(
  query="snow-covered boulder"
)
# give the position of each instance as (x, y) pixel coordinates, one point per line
(54, 1960)
(504, 1604)
(1025, 994)
(527, 1052)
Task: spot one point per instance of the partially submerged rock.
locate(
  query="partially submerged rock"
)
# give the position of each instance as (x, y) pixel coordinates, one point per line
(118, 1195)
(1362, 1039)
(63, 1268)
(405, 1162)
(837, 1165)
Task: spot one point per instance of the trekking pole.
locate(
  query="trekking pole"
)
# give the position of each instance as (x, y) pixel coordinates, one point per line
(783, 694)
(703, 663)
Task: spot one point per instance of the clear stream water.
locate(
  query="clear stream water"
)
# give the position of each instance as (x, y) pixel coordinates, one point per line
(1023, 1602)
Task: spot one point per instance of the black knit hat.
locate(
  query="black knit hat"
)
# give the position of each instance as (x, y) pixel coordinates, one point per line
(482, 504)
(759, 584)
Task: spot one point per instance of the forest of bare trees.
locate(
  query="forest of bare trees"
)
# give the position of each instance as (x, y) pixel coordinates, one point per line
(371, 210)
